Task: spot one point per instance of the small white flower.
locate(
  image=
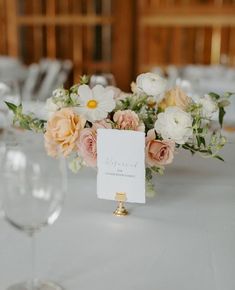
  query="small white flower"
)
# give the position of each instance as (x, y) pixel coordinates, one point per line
(59, 93)
(58, 100)
(95, 103)
(174, 124)
(209, 106)
(76, 164)
(152, 85)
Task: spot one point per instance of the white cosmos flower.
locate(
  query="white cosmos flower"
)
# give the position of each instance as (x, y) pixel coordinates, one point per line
(152, 85)
(209, 106)
(174, 124)
(95, 103)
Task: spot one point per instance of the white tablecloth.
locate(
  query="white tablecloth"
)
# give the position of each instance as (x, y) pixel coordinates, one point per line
(183, 239)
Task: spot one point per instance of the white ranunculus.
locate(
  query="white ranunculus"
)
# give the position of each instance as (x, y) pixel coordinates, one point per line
(95, 103)
(209, 106)
(51, 106)
(174, 124)
(152, 85)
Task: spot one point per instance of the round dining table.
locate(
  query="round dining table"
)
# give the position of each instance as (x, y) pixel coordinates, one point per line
(183, 238)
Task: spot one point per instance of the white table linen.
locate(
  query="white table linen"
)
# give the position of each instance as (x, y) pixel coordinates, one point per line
(183, 239)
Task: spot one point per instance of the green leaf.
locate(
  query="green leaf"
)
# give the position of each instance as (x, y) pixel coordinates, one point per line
(190, 148)
(11, 106)
(84, 80)
(24, 124)
(205, 151)
(198, 141)
(148, 174)
(214, 96)
(218, 157)
(202, 139)
(221, 115)
(209, 151)
(200, 130)
(228, 94)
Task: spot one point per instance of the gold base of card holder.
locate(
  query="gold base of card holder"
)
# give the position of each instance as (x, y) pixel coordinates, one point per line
(120, 197)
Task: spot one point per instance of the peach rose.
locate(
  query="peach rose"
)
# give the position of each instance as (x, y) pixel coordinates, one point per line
(175, 97)
(158, 152)
(62, 132)
(88, 142)
(128, 120)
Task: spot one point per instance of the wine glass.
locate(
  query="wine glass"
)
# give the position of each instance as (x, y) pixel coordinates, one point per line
(10, 92)
(104, 79)
(33, 194)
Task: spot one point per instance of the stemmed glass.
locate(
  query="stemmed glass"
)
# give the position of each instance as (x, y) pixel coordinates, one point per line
(33, 194)
(9, 91)
(104, 79)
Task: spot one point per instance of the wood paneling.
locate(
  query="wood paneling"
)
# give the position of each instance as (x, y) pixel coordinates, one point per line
(180, 32)
(3, 39)
(12, 28)
(80, 30)
(124, 37)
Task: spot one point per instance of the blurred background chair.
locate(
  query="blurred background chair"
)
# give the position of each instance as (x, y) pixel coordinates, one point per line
(44, 77)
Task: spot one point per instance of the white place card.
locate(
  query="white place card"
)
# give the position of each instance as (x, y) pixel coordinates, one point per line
(121, 164)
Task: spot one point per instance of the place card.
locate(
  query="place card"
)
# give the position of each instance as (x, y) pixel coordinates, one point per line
(121, 164)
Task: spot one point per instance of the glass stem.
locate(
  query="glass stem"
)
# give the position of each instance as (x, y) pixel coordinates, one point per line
(32, 281)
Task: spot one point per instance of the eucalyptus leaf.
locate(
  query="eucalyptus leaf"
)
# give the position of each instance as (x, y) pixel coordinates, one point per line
(218, 157)
(228, 94)
(11, 106)
(221, 115)
(214, 96)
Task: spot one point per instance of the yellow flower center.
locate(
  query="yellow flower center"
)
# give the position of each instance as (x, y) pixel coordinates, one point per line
(92, 104)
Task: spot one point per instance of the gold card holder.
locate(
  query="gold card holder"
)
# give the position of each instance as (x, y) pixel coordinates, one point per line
(120, 197)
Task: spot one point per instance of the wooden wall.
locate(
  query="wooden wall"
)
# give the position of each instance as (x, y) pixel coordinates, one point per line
(185, 31)
(95, 34)
(121, 36)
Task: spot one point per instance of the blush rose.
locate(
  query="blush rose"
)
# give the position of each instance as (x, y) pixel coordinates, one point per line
(158, 152)
(88, 142)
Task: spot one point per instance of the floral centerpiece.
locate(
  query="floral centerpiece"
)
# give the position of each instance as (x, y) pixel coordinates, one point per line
(170, 119)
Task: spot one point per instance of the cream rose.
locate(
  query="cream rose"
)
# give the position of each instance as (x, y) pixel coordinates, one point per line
(174, 124)
(175, 97)
(62, 132)
(152, 85)
(128, 120)
(158, 152)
